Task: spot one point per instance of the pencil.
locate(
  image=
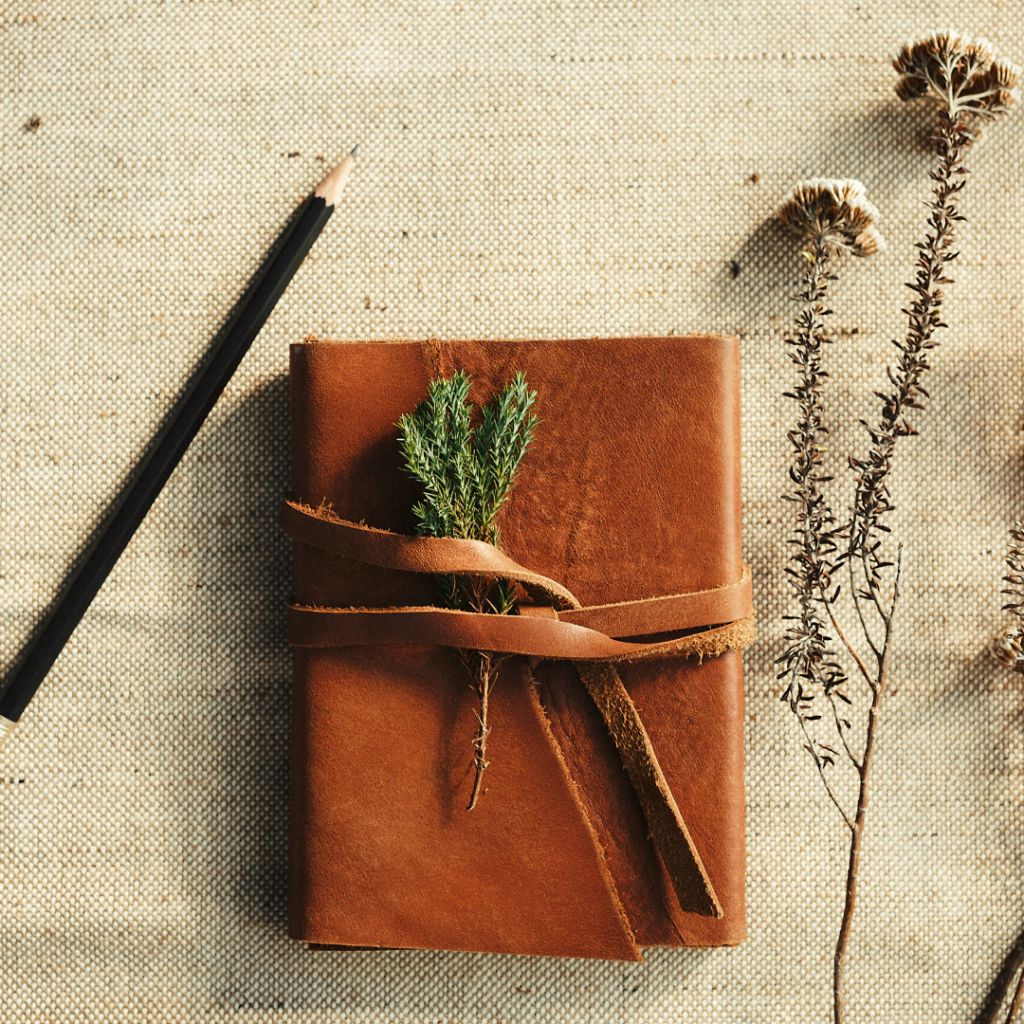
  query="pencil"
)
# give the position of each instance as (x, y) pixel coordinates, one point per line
(226, 352)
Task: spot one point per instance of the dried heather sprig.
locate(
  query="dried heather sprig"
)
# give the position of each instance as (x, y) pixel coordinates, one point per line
(970, 85)
(832, 216)
(963, 74)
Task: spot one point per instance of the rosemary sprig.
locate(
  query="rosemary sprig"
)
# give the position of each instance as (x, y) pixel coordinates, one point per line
(467, 471)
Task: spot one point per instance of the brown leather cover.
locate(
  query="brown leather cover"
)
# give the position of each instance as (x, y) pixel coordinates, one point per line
(631, 491)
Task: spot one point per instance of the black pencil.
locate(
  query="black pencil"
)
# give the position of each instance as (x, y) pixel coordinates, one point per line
(231, 344)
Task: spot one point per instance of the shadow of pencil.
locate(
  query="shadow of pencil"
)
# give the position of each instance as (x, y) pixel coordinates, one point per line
(114, 530)
(245, 577)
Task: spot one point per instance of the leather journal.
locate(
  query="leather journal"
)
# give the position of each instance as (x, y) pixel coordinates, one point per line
(612, 816)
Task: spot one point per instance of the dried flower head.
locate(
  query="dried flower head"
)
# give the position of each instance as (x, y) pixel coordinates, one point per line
(833, 212)
(1006, 649)
(962, 72)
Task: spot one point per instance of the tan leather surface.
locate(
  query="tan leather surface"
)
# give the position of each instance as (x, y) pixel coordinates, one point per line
(631, 492)
(694, 715)
(384, 852)
(538, 636)
(668, 830)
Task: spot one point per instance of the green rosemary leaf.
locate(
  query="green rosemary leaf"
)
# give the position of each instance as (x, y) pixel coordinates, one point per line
(467, 475)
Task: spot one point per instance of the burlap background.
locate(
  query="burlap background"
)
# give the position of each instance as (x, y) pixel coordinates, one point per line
(527, 169)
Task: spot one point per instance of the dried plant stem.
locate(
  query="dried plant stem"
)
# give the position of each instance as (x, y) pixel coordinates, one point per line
(1011, 968)
(811, 663)
(833, 217)
(810, 563)
(872, 499)
(878, 689)
(1018, 997)
(1009, 652)
(482, 667)
(859, 661)
(819, 763)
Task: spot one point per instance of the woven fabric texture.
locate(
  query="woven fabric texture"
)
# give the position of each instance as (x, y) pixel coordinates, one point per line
(527, 169)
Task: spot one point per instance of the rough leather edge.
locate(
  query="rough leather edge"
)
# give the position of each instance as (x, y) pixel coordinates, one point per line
(606, 874)
(715, 641)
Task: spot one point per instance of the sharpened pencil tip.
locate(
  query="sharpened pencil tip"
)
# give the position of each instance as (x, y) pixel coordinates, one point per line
(331, 187)
(354, 148)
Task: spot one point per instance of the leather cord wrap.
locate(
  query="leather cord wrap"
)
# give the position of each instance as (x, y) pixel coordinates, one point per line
(711, 621)
(576, 633)
(507, 634)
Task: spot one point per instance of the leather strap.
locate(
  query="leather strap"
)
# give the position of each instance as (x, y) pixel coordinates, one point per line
(441, 555)
(669, 833)
(559, 628)
(436, 555)
(507, 634)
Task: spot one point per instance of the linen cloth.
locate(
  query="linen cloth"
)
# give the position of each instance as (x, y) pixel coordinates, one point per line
(527, 169)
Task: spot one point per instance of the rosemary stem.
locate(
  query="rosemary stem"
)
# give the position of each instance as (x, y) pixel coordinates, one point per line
(483, 680)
